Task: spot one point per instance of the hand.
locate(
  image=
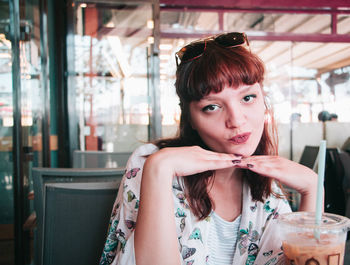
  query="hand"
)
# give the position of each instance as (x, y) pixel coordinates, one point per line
(288, 172)
(184, 161)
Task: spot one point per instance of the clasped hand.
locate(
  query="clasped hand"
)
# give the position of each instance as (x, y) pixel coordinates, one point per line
(183, 161)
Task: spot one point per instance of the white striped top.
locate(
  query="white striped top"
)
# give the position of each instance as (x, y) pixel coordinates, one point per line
(222, 240)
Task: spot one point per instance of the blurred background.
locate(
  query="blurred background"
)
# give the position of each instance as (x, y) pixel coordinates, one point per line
(99, 75)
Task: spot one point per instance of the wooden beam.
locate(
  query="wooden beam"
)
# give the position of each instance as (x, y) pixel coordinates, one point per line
(290, 4)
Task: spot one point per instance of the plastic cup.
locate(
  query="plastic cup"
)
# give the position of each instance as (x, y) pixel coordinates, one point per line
(301, 247)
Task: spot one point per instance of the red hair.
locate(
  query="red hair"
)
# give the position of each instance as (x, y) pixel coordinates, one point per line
(217, 68)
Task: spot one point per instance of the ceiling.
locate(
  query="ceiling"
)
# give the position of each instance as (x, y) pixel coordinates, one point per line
(324, 55)
(301, 41)
(300, 33)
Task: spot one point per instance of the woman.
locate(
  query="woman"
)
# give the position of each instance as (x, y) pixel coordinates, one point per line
(209, 196)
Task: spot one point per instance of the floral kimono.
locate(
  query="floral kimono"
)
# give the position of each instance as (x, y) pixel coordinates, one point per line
(257, 242)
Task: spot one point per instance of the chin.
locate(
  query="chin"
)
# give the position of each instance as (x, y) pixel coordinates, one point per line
(244, 152)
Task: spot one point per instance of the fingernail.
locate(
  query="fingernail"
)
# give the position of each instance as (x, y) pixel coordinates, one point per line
(237, 154)
(250, 165)
(236, 161)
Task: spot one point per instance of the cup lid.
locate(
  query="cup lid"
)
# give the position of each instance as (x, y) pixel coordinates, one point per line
(307, 220)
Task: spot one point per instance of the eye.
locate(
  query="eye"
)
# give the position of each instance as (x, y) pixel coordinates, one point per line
(249, 98)
(210, 108)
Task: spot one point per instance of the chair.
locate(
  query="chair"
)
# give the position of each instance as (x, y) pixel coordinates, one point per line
(99, 159)
(346, 146)
(44, 176)
(345, 159)
(76, 221)
(309, 156)
(334, 200)
(333, 183)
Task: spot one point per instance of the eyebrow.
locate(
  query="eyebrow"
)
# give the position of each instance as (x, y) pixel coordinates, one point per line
(243, 90)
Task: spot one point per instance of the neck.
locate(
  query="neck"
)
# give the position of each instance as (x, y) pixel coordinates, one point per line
(225, 192)
(225, 179)
(227, 175)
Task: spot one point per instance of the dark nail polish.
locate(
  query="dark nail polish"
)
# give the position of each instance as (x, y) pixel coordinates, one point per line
(236, 161)
(237, 154)
(250, 165)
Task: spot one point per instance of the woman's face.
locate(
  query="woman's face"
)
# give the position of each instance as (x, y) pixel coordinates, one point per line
(231, 121)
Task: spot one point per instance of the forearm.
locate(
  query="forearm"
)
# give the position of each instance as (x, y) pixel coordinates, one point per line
(308, 193)
(155, 233)
(308, 201)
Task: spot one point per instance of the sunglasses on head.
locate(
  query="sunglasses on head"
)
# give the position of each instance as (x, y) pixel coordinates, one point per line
(196, 49)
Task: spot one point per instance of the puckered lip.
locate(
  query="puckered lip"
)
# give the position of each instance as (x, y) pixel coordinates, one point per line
(240, 138)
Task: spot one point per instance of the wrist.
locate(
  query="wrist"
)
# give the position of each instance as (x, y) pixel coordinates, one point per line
(309, 189)
(308, 200)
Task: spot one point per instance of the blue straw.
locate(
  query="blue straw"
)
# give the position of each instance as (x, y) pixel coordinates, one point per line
(319, 198)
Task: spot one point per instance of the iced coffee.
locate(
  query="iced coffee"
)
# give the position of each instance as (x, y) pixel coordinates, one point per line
(305, 243)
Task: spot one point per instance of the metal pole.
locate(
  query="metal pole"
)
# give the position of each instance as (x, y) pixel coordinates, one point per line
(156, 120)
(44, 83)
(291, 91)
(17, 134)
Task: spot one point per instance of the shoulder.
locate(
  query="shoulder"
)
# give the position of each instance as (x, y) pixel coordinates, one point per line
(139, 156)
(144, 150)
(133, 172)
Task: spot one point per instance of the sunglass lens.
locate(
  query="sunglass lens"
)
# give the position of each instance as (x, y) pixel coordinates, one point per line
(230, 39)
(193, 51)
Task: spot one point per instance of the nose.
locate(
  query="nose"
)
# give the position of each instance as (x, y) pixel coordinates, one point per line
(235, 117)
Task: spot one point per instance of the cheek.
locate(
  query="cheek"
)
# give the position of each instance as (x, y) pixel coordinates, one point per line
(258, 120)
(204, 129)
(201, 123)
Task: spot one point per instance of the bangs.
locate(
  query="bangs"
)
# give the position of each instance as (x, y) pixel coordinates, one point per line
(218, 68)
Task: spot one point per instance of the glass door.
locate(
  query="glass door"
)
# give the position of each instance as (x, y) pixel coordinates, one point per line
(114, 46)
(21, 119)
(6, 142)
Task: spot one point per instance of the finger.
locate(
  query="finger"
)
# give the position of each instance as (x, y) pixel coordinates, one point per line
(259, 159)
(263, 162)
(220, 164)
(265, 165)
(222, 156)
(202, 166)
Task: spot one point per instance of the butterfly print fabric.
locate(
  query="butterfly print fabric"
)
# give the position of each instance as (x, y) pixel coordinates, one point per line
(257, 242)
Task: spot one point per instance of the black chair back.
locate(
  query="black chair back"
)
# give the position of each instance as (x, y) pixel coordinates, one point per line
(76, 222)
(45, 176)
